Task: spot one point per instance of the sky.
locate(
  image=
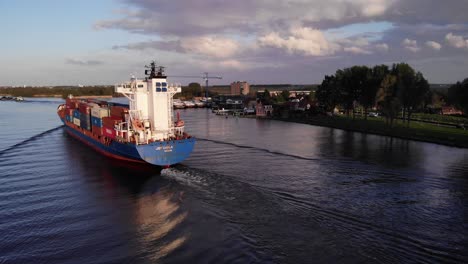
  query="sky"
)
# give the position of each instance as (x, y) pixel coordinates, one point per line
(55, 42)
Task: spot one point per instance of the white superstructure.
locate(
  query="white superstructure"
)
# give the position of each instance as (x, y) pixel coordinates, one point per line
(150, 115)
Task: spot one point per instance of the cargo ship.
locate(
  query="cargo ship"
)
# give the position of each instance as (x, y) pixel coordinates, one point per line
(143, 131)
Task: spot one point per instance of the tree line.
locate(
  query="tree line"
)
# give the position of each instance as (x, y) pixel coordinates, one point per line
(63, 91)
(391, 89)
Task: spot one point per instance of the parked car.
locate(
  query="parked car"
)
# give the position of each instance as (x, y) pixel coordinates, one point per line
(373, 114)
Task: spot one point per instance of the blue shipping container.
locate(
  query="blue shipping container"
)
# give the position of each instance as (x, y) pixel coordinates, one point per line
(96, 121)
(85, 121)
(68, 118)
(76, 113)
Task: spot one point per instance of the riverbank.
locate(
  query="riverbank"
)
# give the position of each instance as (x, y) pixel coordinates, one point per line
(419, 131)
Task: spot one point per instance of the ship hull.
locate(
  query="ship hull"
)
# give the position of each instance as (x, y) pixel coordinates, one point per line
(164, 153)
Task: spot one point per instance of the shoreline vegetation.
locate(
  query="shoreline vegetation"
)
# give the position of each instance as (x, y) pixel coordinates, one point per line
(419, 131)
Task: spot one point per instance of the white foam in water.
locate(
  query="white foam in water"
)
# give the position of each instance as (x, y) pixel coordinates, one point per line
(190, 178)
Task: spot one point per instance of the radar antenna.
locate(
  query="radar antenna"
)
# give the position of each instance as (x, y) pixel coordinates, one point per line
(154, 71)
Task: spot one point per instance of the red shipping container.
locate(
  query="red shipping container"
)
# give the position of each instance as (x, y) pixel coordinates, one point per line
(96, 130)
(84, 108)
(108, 132)
(110, 121)
(118, 111)
(70, 112)
(71, 103)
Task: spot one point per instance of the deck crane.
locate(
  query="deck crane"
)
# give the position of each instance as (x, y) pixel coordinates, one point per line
(205, 77)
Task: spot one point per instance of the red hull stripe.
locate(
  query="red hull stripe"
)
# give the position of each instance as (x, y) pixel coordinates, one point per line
(105, 153)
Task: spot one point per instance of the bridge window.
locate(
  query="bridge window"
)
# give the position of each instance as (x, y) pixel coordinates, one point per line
(158, 89)
(164, 89)
(158, 84)
(140, 86)
(164, 84)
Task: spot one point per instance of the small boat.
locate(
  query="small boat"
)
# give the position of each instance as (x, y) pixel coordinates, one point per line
(19, 99)
(199, 104)
(189, 104)
(178, 104)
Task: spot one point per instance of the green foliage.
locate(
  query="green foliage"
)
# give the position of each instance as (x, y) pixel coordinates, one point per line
(62, 91)
(458, 95)
(389, 89)
(329, 93)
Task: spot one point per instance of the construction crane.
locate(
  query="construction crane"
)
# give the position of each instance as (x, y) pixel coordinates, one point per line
(205, 77)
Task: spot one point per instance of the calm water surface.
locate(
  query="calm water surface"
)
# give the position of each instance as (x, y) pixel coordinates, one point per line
(253, 191)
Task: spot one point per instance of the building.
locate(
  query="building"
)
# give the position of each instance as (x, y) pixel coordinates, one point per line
(262, 110)
(450, 110)
(240, 88)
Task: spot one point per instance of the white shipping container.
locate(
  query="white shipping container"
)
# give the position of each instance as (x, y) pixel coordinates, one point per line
(99, 112)
(76, 121)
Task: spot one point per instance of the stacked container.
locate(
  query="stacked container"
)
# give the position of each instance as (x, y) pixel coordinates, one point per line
(85, 116)
(118, 111)
(108, 126)
(76, 117)
(97, 113)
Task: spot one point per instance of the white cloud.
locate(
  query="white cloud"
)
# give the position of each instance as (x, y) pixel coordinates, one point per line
(382, 47)
(411, 45)
(356, 50)
(219, 47)
(433, 45)
(456, 41)
(302, 40)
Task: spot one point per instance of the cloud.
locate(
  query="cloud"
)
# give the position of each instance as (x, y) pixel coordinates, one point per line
(411, 45)
(456, 41)
(356, 50)
(433, 45)
(301, 40)
(382, 47)
(218, 47)
(83, 62)
(211, 46)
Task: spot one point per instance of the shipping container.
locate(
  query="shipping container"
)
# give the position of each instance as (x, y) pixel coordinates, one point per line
(110, 121)
(108, 132)
(96, 130)
(118, 111)
(68, 118)
(70, 112)
(99, 112)
(76, 114)
(71, 103)
(76, 121)
(96, 121)
(84, 108)
(85, 121)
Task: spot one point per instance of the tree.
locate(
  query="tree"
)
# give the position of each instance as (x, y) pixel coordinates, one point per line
(195, 89)
(328, 93)
(458, 95)
(285, 95)
(417, 93)
(405, 80)
(352, 81)
(387, 99)
(371, 85)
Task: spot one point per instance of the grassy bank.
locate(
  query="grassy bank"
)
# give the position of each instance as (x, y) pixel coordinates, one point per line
(416, 131)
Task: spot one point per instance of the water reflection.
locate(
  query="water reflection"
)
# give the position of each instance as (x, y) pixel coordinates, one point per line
(158, 215)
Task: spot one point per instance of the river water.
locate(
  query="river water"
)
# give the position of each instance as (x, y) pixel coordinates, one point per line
(253, 191)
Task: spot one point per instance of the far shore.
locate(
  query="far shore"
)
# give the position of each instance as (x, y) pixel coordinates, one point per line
(454, 137)
(81, 96)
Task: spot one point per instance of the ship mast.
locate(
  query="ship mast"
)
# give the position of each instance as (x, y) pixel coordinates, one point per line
(154, 71)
